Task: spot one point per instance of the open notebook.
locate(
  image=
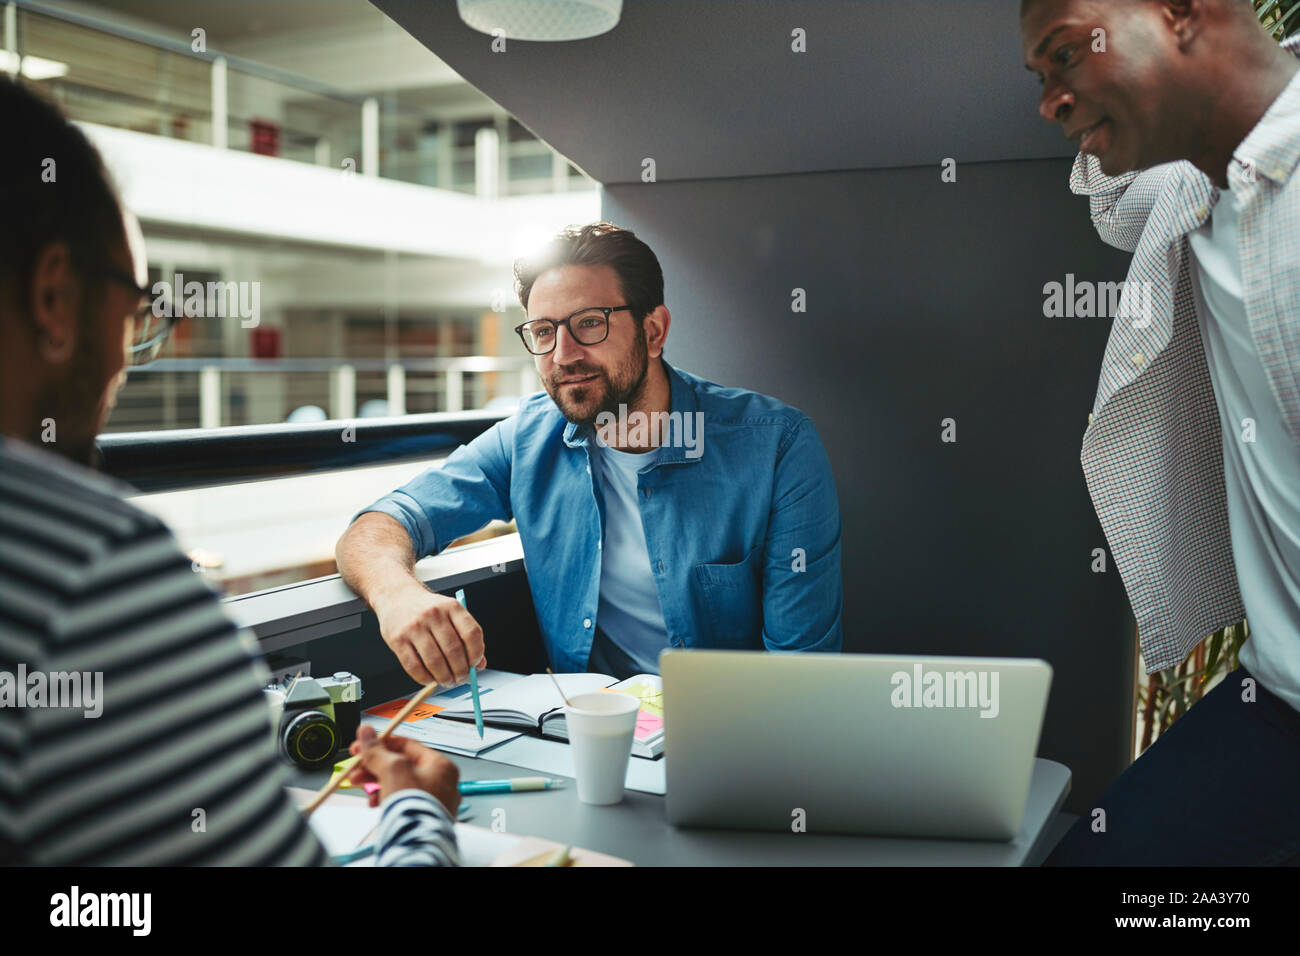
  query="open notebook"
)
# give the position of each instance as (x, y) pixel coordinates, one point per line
(531, 704)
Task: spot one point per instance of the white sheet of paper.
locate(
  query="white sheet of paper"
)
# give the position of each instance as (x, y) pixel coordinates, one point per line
(341, 828)
(450, 735)
(479, 846)
(535, 694)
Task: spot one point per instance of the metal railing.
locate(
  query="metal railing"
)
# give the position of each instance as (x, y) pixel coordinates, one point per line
(204, 457)
(515, 377)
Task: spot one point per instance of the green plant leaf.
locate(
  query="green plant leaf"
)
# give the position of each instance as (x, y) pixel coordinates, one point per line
(1212, 658)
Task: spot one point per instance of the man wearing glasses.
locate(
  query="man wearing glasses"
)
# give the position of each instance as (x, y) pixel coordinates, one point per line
(172, 761)
(641, 531)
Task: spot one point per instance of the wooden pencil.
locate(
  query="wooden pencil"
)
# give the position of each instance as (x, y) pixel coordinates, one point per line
(351, 762)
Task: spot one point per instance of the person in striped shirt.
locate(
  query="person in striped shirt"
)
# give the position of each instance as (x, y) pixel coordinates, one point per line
(133, 727)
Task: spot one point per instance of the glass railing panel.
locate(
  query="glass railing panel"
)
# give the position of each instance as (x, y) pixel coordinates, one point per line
(114, 81)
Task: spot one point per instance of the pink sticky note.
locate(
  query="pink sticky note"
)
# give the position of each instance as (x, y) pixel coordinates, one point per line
(646, 724)
(371, 787)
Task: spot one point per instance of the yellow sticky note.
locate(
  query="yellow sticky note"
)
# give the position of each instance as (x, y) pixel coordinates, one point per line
(652, 698)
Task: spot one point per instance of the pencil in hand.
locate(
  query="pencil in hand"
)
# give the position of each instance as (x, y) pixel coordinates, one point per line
(350, 764)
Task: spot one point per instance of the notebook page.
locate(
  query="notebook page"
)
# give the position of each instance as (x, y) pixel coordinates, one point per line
(533, 695)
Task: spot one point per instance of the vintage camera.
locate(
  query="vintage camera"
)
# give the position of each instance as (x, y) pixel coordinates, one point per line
(317, 717)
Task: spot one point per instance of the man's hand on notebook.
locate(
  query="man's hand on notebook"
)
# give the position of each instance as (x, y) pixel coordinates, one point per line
(433, 636)
(400, 763)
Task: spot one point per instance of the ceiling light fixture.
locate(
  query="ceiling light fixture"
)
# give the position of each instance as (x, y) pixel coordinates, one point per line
(542, 19)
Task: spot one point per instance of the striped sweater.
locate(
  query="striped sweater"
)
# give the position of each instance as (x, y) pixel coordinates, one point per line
(100, 611)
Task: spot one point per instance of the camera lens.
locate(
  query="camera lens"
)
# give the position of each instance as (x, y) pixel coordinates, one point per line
(310, 739)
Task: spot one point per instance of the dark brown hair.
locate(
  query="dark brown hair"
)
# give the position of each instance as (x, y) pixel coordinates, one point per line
(79, 206)
(599, 244)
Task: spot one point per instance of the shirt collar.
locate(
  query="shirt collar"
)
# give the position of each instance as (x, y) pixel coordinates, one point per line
(682, 399)
(1272, 148)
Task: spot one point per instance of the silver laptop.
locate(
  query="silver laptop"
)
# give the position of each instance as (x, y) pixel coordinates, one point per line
(851, 743)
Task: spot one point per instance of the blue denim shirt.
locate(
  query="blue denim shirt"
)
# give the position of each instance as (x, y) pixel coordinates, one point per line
(742, 530)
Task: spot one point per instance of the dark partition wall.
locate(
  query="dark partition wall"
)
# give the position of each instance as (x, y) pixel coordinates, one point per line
(924, 298)
(924, 302)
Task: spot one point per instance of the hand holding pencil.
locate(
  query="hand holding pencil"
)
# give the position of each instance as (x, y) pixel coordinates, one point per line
(400, 763)
(370, 761)
(433, 636)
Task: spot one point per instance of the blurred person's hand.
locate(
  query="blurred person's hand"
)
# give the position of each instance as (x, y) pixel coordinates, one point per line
(400, 763)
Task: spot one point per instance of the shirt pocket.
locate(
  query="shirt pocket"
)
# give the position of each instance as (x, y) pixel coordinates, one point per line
(732, 595)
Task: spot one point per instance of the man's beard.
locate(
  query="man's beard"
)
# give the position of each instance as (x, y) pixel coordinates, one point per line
(583, 404)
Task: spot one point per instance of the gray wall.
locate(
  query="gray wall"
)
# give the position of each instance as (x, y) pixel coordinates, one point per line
(925, 302)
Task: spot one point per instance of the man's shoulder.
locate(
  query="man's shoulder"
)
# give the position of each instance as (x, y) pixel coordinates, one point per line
(538, 405)
(87, 564)
(25, 462)
(537, 419)
(730, 405)
(48, 489)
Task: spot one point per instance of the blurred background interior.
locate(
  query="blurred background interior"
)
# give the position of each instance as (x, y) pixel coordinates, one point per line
(376, 200)
(315, 150)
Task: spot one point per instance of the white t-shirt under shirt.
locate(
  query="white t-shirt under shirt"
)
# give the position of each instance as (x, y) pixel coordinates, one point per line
(628, 611)
(1263, 475)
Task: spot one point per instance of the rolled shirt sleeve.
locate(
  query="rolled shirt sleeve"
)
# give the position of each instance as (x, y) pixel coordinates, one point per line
(459, 496)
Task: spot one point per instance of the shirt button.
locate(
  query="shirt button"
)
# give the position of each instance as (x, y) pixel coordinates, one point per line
(1139, 359)
(586, 622)
(1090, 418)
(599, 545)
(1202, 211)
(659, 566)
(647, 492)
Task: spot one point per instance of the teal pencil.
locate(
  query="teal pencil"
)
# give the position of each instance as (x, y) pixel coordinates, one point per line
(473, 678)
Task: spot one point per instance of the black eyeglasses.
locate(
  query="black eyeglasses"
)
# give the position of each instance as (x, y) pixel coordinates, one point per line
(150, 329)
(587, 326)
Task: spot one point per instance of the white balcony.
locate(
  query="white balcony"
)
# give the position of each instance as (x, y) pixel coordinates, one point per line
(192, 185)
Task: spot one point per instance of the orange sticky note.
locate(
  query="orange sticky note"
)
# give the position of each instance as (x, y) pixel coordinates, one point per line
(393, 707)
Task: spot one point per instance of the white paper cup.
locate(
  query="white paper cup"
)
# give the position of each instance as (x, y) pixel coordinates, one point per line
(601, 726)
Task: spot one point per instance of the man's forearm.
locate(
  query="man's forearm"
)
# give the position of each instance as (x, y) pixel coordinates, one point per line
(375, 557)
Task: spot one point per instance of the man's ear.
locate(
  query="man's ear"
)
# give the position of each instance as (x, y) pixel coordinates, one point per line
(1184, 18)
(53, 303)
(656, 330)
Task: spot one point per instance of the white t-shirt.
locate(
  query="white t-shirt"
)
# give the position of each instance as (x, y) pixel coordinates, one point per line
(628, 611)
(1263, 474)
